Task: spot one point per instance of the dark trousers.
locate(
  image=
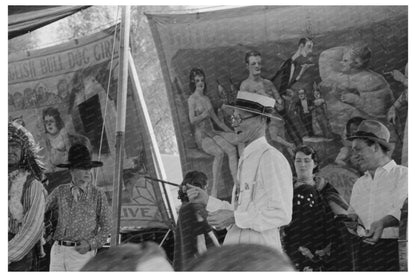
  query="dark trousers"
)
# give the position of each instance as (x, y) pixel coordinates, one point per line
(28, 263)
(383, 256)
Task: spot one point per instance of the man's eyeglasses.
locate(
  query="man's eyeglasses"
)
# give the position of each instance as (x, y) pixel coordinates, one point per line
(237, 119)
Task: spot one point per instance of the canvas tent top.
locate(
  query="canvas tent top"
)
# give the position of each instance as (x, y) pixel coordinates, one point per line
(23, 19)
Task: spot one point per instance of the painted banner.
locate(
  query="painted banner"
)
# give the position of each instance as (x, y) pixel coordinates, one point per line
(345, 75)
(60, 95)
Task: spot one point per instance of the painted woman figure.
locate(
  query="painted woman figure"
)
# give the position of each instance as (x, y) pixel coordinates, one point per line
(314, 240)
(211, 141)
(320, 122)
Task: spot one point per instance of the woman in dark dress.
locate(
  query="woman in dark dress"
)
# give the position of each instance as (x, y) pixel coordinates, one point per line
(314, 240)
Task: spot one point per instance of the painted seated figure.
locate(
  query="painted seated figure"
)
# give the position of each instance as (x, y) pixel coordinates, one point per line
(350, 87)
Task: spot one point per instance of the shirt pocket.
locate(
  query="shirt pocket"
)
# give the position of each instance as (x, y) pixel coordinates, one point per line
(246, 195)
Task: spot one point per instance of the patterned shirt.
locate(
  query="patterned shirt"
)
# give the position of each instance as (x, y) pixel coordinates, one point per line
(28, 231)
(88, 219)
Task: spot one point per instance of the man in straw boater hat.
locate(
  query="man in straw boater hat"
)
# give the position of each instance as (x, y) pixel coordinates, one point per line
(262, 196)
(377, 197)
(84, 217)
(26, 199)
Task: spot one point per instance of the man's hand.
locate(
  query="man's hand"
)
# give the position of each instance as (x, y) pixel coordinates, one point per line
(221, 219)
(83, 248)
(197, 195)
(374, 234)
(350, 98)
(353, 223)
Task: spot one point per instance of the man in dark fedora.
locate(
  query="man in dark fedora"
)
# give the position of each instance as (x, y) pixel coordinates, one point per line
(84, 219)
(377, 197)
(262, 196)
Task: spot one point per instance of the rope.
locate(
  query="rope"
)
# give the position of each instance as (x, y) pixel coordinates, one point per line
(106, 98)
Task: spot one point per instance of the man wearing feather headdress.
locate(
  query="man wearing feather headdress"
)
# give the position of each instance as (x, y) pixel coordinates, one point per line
(26, 199)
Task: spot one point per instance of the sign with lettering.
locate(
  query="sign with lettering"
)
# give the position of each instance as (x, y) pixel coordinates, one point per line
(66, 94)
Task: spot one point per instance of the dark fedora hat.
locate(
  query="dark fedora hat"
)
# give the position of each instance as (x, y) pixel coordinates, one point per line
(374, 131)
(79, 157)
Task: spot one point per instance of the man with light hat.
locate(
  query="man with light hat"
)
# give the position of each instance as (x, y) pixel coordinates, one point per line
(84, 217)
(377, 197)
(262, 196)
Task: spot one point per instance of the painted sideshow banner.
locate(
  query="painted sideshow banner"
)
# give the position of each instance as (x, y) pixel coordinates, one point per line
(341, 70)
(59, 94)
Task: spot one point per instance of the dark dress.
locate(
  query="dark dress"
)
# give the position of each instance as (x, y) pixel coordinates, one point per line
(187, 229)
(314, 227)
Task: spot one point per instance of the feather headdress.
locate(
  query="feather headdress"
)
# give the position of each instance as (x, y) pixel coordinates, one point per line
(30, 159)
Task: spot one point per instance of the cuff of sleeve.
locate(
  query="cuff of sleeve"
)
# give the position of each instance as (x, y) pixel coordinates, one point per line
(213, 204)
(243, 220)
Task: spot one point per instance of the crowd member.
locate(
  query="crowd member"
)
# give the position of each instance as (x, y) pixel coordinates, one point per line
(146, 256)
(262, 196)
(242, 257)
(313, 240)
(84, 218)
(377, 197)
(26, 199)
(257, 84)
(193, 234)
(213, 142)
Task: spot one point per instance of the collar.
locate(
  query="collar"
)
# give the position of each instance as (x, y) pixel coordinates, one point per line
(254, 146)
(387, 167)
(82, 188)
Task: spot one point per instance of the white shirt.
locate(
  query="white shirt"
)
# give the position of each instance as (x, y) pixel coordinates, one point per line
(373, 199)
(265, 200)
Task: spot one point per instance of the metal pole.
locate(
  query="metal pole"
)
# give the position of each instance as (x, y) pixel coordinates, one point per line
(166, 196)
(120, 123)
(162, 181)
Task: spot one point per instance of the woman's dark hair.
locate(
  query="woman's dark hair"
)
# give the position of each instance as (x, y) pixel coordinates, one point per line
(195, 178)
(196, 72)
(53, 112)
(354, 120)
(307, 150)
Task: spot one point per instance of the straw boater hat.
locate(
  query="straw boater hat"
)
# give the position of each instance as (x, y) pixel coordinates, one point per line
(374, 131)
(254, 103)
(79, 157)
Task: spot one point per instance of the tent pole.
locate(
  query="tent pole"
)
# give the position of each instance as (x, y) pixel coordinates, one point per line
(167, 199)
(120, 123)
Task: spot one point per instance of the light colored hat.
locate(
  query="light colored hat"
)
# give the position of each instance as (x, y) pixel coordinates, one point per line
(374, 131)
(254, 103)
